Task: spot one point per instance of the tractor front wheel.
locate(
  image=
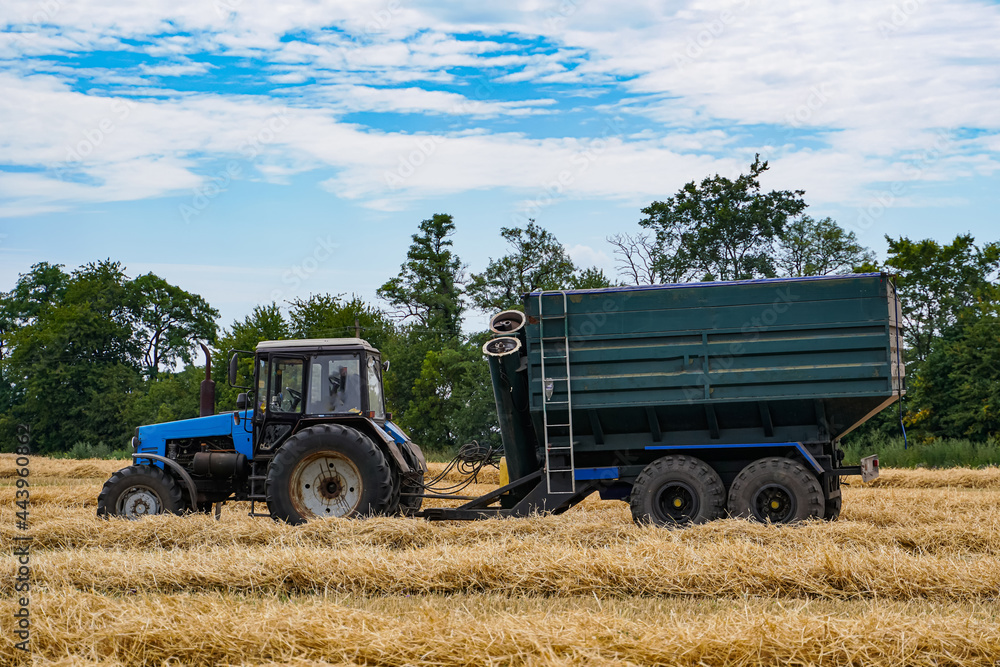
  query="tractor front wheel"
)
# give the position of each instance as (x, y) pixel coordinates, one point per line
(139, 491)
(328, 470)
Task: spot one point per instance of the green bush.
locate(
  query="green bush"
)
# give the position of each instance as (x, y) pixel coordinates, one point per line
(87, 450)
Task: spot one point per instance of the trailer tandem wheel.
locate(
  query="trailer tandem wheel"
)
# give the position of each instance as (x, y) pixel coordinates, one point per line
(138, 491)
(677, 491)
(328, 470)
(776, 490)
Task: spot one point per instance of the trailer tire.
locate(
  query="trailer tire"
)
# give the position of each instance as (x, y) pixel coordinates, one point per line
(328, 470)
(138, 491)
(776, 490)
(677, 491)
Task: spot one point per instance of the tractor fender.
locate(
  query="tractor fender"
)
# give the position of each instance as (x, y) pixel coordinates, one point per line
(409, 448)
(389, 445)
(178, 469)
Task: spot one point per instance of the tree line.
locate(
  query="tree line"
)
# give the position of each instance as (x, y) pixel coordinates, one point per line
(89, 354)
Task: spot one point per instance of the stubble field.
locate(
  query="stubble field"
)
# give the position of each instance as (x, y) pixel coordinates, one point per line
(909, 575)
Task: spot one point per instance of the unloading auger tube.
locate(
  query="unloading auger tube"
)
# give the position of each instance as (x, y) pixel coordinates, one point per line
(508, 323)
(508, 367)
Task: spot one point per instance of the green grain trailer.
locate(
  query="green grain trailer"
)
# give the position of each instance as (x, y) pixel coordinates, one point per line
(692, 400)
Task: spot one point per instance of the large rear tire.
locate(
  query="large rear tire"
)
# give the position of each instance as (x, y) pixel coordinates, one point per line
(138, 491)
(328, 470)
(834, 502)
(410, 505)
(776, 490)
(677, 491)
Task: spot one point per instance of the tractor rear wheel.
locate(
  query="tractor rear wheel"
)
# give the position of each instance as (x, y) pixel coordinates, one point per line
(776, 490)
(410, 505)
(328, 470)
(834, 502)
(138, 491)
(677, 491)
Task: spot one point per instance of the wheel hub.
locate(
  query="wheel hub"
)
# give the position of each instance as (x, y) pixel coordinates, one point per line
(774, 503)
(676, 503)
(137, 502)
(325, 484)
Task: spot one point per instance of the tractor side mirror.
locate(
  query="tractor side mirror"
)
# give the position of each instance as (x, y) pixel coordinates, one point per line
(385, 365)
(241, 401)
(233, 368)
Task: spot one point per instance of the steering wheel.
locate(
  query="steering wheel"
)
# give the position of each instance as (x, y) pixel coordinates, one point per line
(296, 398)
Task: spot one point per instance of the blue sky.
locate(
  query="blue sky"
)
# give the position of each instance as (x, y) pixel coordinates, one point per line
(252, 152)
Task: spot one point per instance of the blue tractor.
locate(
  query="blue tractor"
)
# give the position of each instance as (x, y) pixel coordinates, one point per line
(317, 442)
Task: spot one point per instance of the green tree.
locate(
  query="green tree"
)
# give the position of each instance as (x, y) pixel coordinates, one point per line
(430, 282)
(330, 316)
(74, 361)
(170, 322)
(592, 278)
(937, 283)
(168, 397)
(536, 261)
(452, 401)
(722, 229)
(810, 247)
(263, 323)
(34, 292)
(406, 351)
(956, 392)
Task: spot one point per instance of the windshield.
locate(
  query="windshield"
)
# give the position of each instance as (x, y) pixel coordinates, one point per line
(334, 384)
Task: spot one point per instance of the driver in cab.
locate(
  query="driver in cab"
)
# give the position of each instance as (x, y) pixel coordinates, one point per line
(345, 389)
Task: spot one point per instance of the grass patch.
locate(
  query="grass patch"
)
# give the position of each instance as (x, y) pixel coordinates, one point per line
(940, 453)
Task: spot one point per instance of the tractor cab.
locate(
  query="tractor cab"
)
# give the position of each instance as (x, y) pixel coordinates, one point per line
(298, 382)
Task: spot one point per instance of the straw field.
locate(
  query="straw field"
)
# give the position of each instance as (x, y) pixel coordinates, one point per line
(909, 575)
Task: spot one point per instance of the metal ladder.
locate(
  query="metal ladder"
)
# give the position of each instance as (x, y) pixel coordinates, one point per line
(257, 487)
(559, 459)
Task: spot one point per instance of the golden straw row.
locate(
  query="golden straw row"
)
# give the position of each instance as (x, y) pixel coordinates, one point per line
(73, 628)
(648, 566)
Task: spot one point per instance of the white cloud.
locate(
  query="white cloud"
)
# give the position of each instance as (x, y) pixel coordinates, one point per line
(348, 98)
(850, 95)
(585, 257)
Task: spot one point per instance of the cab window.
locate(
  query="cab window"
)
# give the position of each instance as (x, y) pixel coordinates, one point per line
(261, 395)
(334, 384)
(375, 403)
(285, 386)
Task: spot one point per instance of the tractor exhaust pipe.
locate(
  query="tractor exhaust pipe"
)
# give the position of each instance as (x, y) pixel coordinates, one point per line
(207, 395)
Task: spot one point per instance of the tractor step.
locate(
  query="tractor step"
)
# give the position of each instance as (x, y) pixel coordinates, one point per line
(254, 513)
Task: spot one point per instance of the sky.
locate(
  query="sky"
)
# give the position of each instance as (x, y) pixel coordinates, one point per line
(253, 151)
